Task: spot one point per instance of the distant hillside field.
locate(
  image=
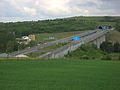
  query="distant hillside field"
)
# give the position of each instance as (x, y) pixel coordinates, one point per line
(46, 36)
(59, 75)
(58, 25)
(10, 31)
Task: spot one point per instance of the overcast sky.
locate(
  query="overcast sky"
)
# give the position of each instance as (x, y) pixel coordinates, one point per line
(20, 10)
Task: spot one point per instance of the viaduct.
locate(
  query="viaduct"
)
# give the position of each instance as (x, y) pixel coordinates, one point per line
(96, 38)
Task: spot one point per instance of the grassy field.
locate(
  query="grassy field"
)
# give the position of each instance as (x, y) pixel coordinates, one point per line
(45, 36)
(59, 75)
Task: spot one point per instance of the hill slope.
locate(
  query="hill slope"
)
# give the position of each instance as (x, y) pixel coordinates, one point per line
(9, 31)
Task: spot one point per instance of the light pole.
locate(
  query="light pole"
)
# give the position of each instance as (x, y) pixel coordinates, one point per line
(18, 49)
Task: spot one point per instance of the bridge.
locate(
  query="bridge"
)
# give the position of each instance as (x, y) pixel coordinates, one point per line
(96, 38)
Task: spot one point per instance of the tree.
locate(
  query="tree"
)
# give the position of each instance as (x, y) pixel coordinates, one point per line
(10, 46)
(110, 47)
(116, 47)
(118, 26)
(107, 46)
(107, 18)
(103, 46)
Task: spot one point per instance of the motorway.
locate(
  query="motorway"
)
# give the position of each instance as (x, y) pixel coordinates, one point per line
(60, 52)
(37, 48)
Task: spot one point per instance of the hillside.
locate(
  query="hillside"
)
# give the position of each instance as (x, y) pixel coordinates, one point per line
(57, 25)
(10, 31)
(114, 36)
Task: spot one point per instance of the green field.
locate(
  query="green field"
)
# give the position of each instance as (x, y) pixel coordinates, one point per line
(45, 36)
(59, 75)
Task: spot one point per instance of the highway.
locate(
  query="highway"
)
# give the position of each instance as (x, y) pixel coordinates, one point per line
(60, 52)
(37, 48)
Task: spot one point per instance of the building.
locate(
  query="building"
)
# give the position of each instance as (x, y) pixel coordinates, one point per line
(32, 37)
(24, 40)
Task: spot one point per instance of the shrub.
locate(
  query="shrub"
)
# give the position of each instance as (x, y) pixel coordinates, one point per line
(107, 57)
(119, 57)
(93, 57)
(85, 57)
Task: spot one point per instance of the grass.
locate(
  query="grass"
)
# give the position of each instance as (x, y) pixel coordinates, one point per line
(59, 75)
(53, 47)
(35, 54)
(88, 51)
(45, 36)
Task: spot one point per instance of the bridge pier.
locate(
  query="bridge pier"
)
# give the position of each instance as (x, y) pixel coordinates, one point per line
(99, 41)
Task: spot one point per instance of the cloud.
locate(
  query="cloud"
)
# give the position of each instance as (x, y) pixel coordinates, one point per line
(58, 8)
(30, 11)
(24, 6)
(52, 7)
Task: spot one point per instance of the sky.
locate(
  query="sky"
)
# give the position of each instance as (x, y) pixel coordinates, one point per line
(25, 10)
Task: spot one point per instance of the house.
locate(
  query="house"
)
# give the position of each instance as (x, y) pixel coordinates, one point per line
(32, 37)
(24, 40)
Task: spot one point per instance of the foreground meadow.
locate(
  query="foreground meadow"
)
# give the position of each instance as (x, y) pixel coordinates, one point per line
(59, 75)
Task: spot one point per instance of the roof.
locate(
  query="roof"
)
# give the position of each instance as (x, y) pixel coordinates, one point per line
(25, 37)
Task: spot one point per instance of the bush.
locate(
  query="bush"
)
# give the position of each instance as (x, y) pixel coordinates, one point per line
(107, 57)
(85, 57)
(93, 57)
(109, 47)
(119, 57)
